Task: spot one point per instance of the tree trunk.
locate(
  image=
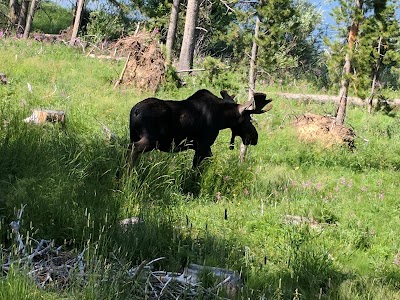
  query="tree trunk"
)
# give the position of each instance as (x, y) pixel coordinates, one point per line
(375, 77)
(29, 19)
(173, 22)
(22, 16)
(372, 93)
(344, 88)
(77, 21)
(252, 80)
(189, 36)
(252, 71)
(13, 11)
(344, 85)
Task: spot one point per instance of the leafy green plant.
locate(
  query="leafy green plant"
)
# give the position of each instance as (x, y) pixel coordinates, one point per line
(51, 18)
(105, 26)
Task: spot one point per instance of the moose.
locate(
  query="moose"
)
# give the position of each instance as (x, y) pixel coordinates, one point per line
(194, 123)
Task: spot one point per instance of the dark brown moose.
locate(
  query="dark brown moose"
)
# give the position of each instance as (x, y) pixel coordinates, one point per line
(194, 123)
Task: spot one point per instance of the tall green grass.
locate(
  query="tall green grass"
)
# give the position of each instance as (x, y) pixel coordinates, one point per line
(225, 214)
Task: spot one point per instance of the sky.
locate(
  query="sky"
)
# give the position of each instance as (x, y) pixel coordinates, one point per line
(324, 5)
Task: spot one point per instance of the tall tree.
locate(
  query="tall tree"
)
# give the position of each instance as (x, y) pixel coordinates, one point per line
(13, 7)
(189, 36)
(29, 19)
(344, 85)
(252, 80)
(79, 8)
(23, 13)
(173, 24)
(378, 51)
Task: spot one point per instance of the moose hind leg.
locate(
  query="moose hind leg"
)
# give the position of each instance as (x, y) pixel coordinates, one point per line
(136, 148)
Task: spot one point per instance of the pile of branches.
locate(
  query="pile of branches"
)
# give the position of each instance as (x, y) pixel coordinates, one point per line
(145, 62)
(145, 67)
(52, 266)
(43, 261)
(322, 129)
(185, 285)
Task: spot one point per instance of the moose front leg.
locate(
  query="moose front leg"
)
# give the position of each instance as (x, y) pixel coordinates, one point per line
(200, 155)
(232, 142)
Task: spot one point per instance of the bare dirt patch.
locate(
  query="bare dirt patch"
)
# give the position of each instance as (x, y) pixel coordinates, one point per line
(323, 130)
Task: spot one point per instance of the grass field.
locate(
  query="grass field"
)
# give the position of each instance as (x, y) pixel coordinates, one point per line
(229, 215)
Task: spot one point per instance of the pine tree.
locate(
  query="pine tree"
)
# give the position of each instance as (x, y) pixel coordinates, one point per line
(189, 35)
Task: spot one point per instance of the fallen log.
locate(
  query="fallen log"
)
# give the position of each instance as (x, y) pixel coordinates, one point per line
(41, 116)
(330, 98)
(107, 57)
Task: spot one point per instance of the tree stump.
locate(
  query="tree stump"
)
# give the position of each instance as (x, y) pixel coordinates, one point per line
(41, 116)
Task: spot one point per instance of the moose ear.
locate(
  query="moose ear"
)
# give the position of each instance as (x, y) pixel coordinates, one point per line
(227, 97)
(260, 101)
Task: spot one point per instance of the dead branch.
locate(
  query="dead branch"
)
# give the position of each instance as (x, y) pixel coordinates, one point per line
(200, 70)
(123, 71)
(48, 265)
(108, 133)
(228, 8)
(15, 226)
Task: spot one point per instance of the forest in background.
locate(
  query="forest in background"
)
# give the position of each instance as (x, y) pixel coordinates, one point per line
(292, 42)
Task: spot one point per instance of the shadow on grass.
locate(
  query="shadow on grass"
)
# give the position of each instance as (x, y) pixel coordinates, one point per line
(64, 179)
(67, 181)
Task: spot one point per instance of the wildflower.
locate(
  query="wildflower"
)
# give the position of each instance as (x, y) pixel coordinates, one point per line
(343, 180)
(318, 186)
(337, 189)
(246, 192)
(307, 184)
(381, 195)
(349, 185)
(219, 196)
(364, 188)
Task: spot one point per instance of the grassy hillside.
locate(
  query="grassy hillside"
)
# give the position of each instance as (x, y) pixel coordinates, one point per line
(229, 215)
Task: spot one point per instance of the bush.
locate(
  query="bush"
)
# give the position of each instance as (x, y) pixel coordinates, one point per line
(51, 18)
